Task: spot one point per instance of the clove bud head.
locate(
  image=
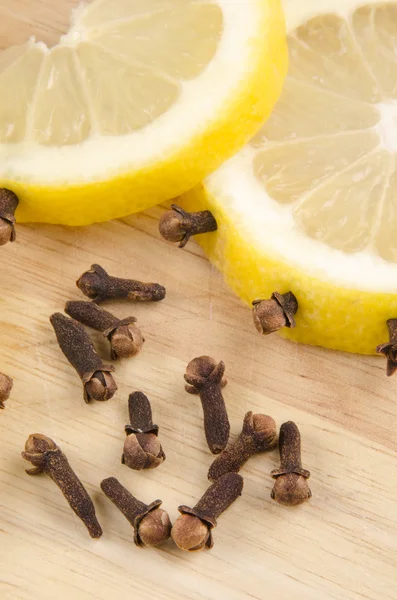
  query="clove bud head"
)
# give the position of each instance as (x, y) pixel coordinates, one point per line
(171, 226)
(203, 370)
(266, 425)
(6, 231)
(126, 341)
(190, 533)
(202, 366)
(291, 489)
(37, 443)
(177, 225)
(8, 205)
(91, 284)
(6, 384)
(275, 313)
(142, 451)
(100, 387)
(155, 528)
(268, 316)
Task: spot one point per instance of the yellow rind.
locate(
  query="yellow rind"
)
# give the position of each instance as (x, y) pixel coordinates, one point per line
(328, 316)
(137, 190)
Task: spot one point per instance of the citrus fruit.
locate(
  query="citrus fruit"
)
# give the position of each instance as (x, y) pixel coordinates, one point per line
(310, 204)
(136, 103)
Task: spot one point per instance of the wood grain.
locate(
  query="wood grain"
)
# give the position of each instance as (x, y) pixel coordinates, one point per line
(340, 545)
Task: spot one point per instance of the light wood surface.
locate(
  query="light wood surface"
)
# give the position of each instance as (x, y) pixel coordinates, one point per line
(340, 545)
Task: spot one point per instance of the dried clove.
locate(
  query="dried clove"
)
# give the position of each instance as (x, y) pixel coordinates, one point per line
(6, 384)
(142, 449)
(125, 338)
(275, 313)
(259, 434)
(152, 525)
(48, 458)
(205, 377)
(177, 225)
(192, 530)
(76, 345)
(8, 205)
(291, 487)
(389, 349)
(97, 285)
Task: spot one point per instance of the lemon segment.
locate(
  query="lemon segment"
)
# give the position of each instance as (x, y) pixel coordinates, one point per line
(136, 104)
(19, 70)
(310, 204)
(59, 86)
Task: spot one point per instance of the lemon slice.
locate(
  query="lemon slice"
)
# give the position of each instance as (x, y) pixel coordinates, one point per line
(310, 205)
(138, 101)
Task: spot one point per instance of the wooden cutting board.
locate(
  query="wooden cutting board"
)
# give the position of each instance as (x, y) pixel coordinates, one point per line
(340, 545)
